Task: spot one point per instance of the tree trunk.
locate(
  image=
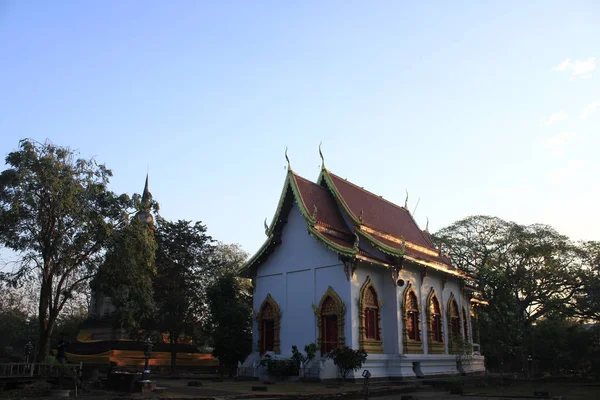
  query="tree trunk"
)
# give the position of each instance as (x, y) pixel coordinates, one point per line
(45, 327)
(173, 342)
(44, 343)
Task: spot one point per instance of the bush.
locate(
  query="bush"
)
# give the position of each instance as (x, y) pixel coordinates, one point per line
(301, 359)
(280, 368)
(347, 360)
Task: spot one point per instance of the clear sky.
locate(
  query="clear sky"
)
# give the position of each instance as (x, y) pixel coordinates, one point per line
(475, 107)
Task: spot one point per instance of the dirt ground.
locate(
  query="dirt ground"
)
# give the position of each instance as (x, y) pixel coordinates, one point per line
(238, 390)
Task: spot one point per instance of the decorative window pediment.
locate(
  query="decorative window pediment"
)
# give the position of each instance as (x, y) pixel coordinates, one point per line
(434, 324)
(330, 316)
(269, 325)
(411, 322)
(454, 334)
(370, 318)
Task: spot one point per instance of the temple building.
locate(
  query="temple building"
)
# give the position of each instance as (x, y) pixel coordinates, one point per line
(342, 266)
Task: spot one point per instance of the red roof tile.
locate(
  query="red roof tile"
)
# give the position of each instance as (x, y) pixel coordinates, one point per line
(328, 212)
(379, 213)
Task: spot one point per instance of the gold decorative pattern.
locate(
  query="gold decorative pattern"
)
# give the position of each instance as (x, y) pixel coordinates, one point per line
(269, 310)
(331, 304)
(411, 346)
(453, 319)
(368, 299)
(434, 308)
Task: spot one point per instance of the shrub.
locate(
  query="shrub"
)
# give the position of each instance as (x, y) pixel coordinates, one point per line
(280, 368)
(347, 360)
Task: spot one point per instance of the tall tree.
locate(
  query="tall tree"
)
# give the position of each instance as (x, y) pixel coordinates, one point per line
(588, 298)
(127, 274)
(56, 213)
(230, 321)
(525, 272)
(185, 263)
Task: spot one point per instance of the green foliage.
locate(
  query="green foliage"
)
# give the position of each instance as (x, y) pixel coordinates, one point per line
(347, 359)
(280, 367)
(230, 321)
(588, 299)
(127, 275)
(185, 265)
(561, 346)
(302, 359)
(525, 272)
(310, 350)
(17, 328)
(57, 214)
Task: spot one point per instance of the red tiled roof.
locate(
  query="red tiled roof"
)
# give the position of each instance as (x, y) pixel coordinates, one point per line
(338, 240)
(386, 220)
(379, 213)
(328, 212)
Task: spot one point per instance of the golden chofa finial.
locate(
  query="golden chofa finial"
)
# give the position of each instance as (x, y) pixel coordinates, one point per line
(406, 201)
(321, 154)
(287, 159)
(427, 225)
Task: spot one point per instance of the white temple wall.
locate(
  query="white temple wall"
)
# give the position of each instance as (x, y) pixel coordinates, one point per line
(390, 314)
(297, 275)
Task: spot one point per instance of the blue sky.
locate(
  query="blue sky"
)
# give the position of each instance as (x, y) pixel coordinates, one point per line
(473, 107)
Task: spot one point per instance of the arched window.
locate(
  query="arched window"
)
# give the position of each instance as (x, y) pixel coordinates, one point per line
(454, 324)
(269, 320)
(412, 322)
(330, 320)
(434, 322)
(412, 317)
(370, 318)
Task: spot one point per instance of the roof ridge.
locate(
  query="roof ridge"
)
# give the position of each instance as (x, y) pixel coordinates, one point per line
(369, 192)
(303, 178)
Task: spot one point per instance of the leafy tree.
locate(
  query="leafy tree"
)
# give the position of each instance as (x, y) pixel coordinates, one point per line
(127, 275)
(17, 327)
(185, 264)
(525, 272)
(347, 359)
(230, 321)
(56, 213)
(230, 257)
(588, 298)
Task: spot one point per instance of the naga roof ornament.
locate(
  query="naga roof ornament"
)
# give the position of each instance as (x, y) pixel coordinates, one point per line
(321, 154)
(288, 160)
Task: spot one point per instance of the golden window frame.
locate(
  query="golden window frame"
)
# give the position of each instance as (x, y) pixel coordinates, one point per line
(371, 346)
(434, 347)
(275, 315)
(411, 346)
(339, 311)
(451, 336)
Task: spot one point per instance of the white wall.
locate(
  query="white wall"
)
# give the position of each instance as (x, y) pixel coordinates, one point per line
(297, 275)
